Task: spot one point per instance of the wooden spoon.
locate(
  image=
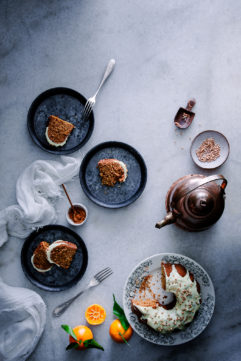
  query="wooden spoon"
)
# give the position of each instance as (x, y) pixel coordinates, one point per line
(67, 195)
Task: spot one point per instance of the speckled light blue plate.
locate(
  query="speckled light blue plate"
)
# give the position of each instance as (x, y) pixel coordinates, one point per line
(201, 319)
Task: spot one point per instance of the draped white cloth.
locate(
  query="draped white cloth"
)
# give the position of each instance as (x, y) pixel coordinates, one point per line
(37, 189)
(22, 321)
(22, 311)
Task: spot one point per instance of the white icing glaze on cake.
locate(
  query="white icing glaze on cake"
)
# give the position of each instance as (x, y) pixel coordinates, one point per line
(123, 166)
(187, 304)
(53, 143)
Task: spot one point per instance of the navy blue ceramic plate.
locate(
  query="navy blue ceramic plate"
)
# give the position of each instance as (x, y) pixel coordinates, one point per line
(122, 194)
(68, 105)
(57, 279)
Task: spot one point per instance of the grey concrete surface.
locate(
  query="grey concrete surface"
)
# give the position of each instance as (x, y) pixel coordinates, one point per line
(166, 52)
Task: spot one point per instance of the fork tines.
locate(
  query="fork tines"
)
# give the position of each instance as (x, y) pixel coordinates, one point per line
(87, 110)
(106, 272)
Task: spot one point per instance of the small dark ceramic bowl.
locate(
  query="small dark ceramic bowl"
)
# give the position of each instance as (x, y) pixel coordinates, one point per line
(219, 139)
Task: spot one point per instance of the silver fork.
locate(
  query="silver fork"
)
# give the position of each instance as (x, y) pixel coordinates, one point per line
(95, 281)
(91, 101)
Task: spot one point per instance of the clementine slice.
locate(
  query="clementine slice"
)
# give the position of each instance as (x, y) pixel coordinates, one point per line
(95, 314)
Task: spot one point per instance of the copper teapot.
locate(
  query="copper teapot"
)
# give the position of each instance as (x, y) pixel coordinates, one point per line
(195, 202)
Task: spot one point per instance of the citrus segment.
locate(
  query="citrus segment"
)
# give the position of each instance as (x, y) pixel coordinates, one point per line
(95, 314)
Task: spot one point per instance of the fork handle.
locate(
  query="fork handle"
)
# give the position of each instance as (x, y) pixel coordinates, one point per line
(59, 310)
(108, 71)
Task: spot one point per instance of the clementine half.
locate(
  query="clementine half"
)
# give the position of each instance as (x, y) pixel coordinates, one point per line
(95, 314)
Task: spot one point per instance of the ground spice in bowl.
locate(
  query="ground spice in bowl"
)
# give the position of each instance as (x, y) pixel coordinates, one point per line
(208, 151)
(77, 215)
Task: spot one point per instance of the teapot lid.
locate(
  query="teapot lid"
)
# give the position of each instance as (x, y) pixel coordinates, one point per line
(202, 202)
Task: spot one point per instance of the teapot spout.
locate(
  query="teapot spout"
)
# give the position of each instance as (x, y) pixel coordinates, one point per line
(167, 220)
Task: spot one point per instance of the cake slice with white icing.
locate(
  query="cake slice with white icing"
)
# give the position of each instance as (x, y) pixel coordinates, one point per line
(39, 258)
(58, 131)
(112, 171)
(61, 253)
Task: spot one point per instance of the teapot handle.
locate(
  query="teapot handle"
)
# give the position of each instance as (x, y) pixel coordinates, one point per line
(206, 180)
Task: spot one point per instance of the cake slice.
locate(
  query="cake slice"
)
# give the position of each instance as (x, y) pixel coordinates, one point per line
(58, 131)
(39, 258)
(61, 253)
(112, 171)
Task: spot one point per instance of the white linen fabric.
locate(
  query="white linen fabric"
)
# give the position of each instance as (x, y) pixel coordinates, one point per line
(22, 321)
(37, 190)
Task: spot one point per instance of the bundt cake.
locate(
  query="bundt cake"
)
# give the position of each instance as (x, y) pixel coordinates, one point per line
(39, 258)
(178, 280)
(112, 171)
(58, 131)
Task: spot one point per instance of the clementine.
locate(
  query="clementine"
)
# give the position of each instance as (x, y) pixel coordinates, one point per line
(82, 334)
(117, 331)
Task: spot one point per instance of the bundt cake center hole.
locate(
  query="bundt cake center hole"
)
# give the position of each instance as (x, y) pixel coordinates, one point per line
(168, 300)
